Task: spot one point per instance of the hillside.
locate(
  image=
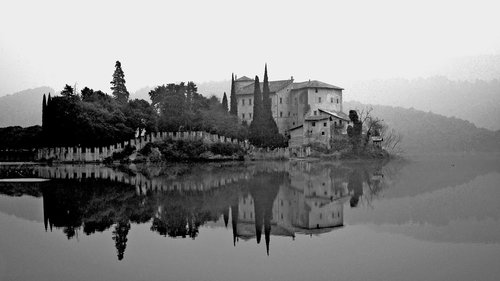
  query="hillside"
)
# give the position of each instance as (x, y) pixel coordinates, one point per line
(23, 108)
(477, 102)
(430, 132)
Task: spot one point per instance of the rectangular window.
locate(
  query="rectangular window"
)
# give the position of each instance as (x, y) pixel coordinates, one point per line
(319, 99)
(243, 102)
(281, 113)
(322, 133)
(281, 100)
(295, 100)
(337, 100)
(340, 122)
(324, 124)
(316, 90)
(243, 116)
(250, 115)
(314, 124)
(249, 101)
(315, 113)
(331, 100)
(288, 113)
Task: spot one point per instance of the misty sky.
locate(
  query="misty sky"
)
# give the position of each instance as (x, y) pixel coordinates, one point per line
(56, 42)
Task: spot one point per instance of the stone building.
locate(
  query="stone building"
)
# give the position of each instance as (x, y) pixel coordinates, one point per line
(305, 111)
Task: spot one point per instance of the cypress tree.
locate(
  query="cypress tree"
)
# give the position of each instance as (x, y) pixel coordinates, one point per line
(44, 105)
(256, 127)
(224, 102)
(266, 101)
(48, 120)
(270, 135)
(44, 119)
(118, 84)
(233, 109)
(270, 126)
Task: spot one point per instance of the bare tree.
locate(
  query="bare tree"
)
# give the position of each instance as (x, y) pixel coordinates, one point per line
(371, 125)
(392, 140)
(374, 126)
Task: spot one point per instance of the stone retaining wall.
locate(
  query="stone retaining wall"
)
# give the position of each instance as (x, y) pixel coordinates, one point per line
(98, 154)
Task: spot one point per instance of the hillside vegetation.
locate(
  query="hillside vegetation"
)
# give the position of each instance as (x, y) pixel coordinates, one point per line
(23, 108)
(478, 102)
(430, 132)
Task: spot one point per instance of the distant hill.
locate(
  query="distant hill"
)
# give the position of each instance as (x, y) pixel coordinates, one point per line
(422, 131)
(430, 132)
(215, 88)
(142, 94)
(478, 102)
(23, 108)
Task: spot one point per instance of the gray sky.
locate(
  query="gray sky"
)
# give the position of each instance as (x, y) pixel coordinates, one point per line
(56, 42)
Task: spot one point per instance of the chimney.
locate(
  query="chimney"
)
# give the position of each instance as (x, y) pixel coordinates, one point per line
(291, 78)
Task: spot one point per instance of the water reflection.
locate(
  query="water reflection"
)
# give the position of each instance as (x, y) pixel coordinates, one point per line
(274, 199)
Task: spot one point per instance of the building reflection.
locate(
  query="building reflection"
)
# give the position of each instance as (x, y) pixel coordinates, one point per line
(304, 201)
(273, 199)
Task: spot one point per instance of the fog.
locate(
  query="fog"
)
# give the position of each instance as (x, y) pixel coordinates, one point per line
(51, 43)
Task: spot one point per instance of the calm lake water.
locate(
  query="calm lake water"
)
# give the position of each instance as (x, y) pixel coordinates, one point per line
(433, 218)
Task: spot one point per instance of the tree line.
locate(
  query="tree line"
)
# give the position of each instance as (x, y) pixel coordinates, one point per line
(91, 117)
(94, 118)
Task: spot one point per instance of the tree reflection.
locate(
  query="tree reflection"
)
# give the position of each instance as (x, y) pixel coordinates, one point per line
(355, 187)
(120, 236)
(281, 199)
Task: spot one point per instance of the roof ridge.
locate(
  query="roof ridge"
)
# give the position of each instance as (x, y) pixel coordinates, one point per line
(244, 78)
(274, 81)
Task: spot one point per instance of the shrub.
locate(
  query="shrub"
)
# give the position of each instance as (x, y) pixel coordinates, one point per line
(182, 149)
(146, 150)
(125, 153)
(226, 149)
(319, 147)
(340, 144)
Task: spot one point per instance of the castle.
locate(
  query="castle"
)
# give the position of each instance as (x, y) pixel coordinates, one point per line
(306, 112)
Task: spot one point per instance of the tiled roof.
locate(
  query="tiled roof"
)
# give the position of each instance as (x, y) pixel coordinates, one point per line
(338, 114)
(274, 86)
(316, 117)
(244, 79)
(314, 84)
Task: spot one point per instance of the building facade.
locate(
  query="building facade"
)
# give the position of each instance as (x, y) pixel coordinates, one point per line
(296, 108)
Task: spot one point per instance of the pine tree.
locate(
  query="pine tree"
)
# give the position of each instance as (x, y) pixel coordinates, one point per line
(191, 91)
(118, 84)
(224, 102)
(234, 103)
(120, 236)
(68, 91)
